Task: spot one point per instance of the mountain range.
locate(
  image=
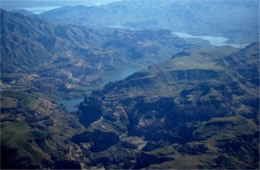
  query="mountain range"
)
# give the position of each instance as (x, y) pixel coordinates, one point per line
(236, 20)
(190, 105)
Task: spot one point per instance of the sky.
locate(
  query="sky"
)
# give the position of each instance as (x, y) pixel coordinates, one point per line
(22, 4)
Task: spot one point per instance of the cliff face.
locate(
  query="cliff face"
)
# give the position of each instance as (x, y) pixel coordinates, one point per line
(202, 107)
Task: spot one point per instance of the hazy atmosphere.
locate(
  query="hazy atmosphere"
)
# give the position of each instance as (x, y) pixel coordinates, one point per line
(129, 84)
(20, 4)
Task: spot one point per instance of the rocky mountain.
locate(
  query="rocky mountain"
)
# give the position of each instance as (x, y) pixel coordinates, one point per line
(42, 63)
(60, 57)
(232, 19)
(201, 106)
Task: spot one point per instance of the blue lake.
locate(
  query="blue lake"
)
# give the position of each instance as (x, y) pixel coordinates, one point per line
(216, 41)
(71, 105)
(39, 10)
(115, 75)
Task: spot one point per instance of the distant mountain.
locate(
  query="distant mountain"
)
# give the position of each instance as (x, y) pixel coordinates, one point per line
(25, 13)
(38, 4)
(233, 19)
(201, 106)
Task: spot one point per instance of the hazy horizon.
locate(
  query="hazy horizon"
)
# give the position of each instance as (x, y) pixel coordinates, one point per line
(25, 4)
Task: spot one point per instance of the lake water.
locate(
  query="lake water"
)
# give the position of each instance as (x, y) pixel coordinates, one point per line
(123, 27)
(71, 105)
(114, 75)
(216, 41)
(39, 10)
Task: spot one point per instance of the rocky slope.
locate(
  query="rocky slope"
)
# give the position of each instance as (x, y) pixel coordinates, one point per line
(35, 132)
(200, 106)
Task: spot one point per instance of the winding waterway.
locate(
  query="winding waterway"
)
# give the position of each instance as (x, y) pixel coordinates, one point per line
(114, 75)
